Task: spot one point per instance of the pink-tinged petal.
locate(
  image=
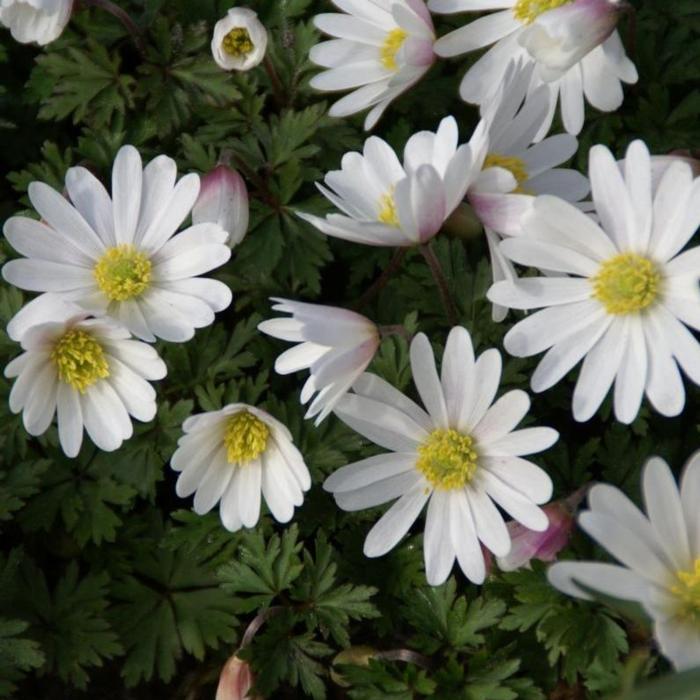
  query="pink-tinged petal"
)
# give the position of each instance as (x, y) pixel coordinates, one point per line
(235, 681)
(502, 213)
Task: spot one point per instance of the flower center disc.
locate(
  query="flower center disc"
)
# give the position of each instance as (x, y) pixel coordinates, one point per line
(515, 166)
(447, 459)
(245, 438)
(527, 11)
(391, 46)
(626, 284)
(387, 210)
(237, 42)
(687, 593)
(80, 360)
(123, 273)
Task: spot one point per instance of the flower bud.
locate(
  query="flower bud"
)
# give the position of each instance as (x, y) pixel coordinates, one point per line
(559, 38)
(223, 200)
(239, 41)
(235, 681)
(35, 22)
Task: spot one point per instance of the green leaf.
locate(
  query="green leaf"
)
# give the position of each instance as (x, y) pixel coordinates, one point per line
(17, 655)
(684, 685)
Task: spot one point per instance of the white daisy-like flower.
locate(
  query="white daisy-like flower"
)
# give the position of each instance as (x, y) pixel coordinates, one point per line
(235, 454)
(88, 372)
(35, 21)
(461, 456)
(516, 169)
(239, 41)
(632, 291)
(119, 256)
(659, 555)
(381, 49)
(385, 203)
(555, 31)
(334, 344)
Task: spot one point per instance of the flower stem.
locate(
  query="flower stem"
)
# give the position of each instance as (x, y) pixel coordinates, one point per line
(277, 87)
(441, 281)
(254, 627)
(388, 331)
(410, 657)
(123, 17)
(383, 279)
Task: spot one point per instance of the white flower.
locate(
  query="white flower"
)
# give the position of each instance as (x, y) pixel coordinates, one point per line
(119, 256)
(223, 200)
(381, 50)
(336, 345)
(597, 76)
(89, 372)
(516, 169)
(633, 290)
(659, 553)
(40, 21)
(385, 203)
(239, 41)
(461, 456)
(231, 456)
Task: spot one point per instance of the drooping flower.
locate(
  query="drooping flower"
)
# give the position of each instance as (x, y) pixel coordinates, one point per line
(119, 256)
(557, 32)
(235, 454)
(35, 21)
(223, 200)
(460, 456)
(379, 51)
(659, 555)
(632, 295)
(334, 344)
(88, 372)
(385, 203)
(235, 681)
(516, 169)
(239, 41)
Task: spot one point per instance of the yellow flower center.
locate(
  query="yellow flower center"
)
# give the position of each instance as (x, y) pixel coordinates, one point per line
(387, 210)
(687, 592)
(626, 284)
(527, 11)
(80, 359)
(245, 438)
(123, 273)
(515, 166)
(237, 42)
(447, 459)
(391, 46)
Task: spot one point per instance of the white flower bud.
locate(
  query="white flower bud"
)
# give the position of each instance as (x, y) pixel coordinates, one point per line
(39, 21)
(239, 41)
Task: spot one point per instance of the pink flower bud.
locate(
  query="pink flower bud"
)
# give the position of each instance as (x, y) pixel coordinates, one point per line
(235, 681)
(528, 544)
(223, 200)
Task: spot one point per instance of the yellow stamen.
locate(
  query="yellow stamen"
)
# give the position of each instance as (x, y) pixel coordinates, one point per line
(123, 273)
(626, 284)
(387, 210)
(447, 459)
(516, 166)
(687, 592)
(80, 359)
(527, 11)
(245, 437)
(237, 42)
(391, 46)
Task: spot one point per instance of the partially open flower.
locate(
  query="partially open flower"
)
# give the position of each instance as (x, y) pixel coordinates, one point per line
(223, 200)
(239, 41)
(235, 681)
(40, 21)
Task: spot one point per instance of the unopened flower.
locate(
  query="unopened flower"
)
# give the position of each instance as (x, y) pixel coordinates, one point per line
(223, 200)
(239, 41)
(334, 344)
(38, 21)
(597, 76)
(659, 555)
(234, 455)
(460, 456)
(379, 51)
(631, 295)
(385, 203)
(120, 256)
(88, 372)
(235, 681)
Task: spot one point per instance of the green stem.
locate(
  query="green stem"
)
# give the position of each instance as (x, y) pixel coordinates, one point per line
(441, 281)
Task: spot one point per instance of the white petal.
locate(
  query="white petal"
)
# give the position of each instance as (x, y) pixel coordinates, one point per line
(437, 543)
(127, 175)
(612, 580)
(426, 379)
